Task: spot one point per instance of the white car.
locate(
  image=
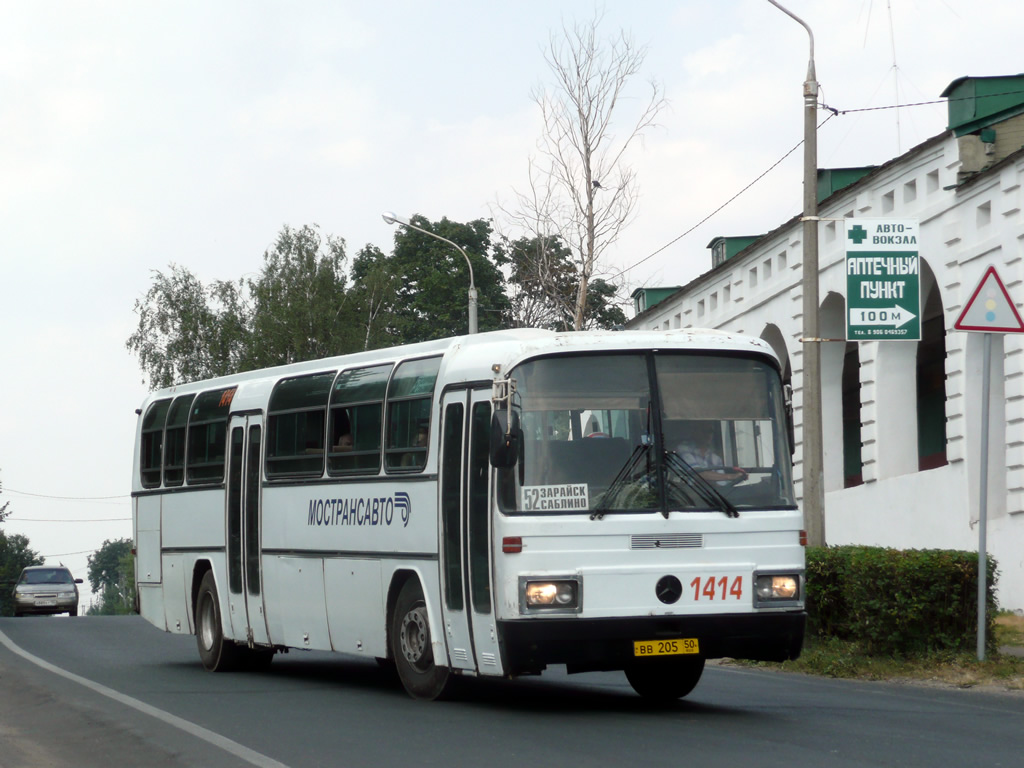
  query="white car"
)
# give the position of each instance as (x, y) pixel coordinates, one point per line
(46, 589)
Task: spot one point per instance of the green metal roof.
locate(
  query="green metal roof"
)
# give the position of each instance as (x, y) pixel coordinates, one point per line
(978, 102)
(831, 180)
(651, 296)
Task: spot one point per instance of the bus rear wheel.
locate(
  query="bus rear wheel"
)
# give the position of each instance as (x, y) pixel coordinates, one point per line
(665, 679)
(216, 653)
(411, 646)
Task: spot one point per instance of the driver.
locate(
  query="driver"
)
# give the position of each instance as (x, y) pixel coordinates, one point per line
(698, 450)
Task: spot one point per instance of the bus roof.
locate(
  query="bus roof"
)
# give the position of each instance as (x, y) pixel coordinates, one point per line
(488, 355)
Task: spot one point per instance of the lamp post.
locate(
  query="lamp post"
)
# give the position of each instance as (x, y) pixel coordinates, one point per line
(393, 218)
(813, 488)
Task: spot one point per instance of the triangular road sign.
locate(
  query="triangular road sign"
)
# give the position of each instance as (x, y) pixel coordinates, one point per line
(990, 308)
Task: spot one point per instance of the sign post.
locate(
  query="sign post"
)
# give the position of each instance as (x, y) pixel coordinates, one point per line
(883, 284)
(989, 311)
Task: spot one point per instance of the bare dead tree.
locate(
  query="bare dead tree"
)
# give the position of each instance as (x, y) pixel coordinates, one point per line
(582, 190)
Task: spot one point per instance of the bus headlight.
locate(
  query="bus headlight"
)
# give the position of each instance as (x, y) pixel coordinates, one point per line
(777, 588)
(549, 595)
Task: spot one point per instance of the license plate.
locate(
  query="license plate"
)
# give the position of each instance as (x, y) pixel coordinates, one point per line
(674, 647)
(46, 603)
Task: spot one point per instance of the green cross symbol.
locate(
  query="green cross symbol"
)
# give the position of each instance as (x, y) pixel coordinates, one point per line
(858, 234)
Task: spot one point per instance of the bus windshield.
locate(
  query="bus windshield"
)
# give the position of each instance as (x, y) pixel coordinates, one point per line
(646, 432)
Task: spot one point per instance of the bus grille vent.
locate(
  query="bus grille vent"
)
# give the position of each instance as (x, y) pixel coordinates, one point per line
(667, 541)
(460, 654)
(489, 659)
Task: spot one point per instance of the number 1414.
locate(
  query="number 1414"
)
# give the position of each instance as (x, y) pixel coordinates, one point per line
(717, 588)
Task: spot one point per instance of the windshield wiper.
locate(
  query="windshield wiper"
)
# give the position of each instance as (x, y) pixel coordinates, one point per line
(691, 481)
(625, 474)
(704, 489)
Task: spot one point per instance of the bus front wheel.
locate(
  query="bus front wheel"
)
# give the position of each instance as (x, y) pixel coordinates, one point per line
(665, 679)
(217, 654)
(411, 646)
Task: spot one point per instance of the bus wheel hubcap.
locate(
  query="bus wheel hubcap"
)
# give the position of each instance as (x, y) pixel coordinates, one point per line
(414, 636)
(206, 627)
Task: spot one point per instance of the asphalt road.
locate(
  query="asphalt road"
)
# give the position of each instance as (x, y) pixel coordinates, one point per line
(122, 693)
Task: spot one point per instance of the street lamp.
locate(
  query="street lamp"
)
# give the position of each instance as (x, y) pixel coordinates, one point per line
(394, 218)
(813, 490)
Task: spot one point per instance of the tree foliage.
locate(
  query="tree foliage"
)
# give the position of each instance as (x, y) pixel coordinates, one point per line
(188, 331)
(299, 307)
(112, 578)
(303, 305)
(372, 297)
(295, 309)
(431, 301)
(543, 286)
(15, 554)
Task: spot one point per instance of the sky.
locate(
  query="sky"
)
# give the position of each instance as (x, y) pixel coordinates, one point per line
(137, 135)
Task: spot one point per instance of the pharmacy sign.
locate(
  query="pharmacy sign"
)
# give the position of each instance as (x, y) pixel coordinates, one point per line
(883, 280)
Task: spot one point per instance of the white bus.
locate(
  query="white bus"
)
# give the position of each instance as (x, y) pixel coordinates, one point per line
(485, 505)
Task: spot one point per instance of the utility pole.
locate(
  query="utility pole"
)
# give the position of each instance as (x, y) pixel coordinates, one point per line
(813, 460)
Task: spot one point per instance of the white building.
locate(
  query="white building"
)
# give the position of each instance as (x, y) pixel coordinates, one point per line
(901, 420)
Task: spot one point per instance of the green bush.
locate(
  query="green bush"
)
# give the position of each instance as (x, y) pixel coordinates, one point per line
(898, 602)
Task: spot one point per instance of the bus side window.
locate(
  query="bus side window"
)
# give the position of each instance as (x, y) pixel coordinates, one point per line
(410, 398)
(296, 426)
(151, 453)
(207, 436)
(174, 440)
(357, 410)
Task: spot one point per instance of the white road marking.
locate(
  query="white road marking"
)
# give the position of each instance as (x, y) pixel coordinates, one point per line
(233, 747)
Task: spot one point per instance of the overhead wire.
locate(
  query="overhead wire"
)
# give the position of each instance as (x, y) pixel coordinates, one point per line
(719, 208)
(67, 498)
(82, 520)
(834, 112)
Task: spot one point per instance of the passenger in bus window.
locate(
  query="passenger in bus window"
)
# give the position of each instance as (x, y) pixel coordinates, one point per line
(417, 458)
(342, 430)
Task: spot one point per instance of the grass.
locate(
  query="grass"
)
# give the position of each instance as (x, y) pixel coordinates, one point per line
(1010, 629)
(838, 658)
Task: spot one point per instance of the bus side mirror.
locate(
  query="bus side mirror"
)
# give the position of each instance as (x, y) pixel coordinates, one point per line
(505, 439)
(787, 392)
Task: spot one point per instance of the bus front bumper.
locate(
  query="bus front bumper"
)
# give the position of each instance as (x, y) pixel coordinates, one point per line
(585, 645)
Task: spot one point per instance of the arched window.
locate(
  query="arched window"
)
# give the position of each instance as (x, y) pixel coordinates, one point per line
(853, 466)
(931, 376)
(834, 396)
(774, 337)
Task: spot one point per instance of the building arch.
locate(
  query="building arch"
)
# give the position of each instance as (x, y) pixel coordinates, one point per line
(832, 325)
(853, 459)
(931, 375)
(774, 337)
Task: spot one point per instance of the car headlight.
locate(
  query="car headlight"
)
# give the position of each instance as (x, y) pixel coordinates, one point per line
(66, 595)
(777, 588)
(549, 595)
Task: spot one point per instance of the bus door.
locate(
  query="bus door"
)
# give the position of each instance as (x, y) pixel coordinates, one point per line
(245, 582)
(467, 603)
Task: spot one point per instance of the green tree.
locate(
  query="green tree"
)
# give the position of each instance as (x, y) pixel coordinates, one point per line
(430, 300)
(540, 282)
(15, 554)
(300, 307)
(296, 309)
(372, 295)
(112, 578)
(603, 310)
(543, 285)
(188, 331)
